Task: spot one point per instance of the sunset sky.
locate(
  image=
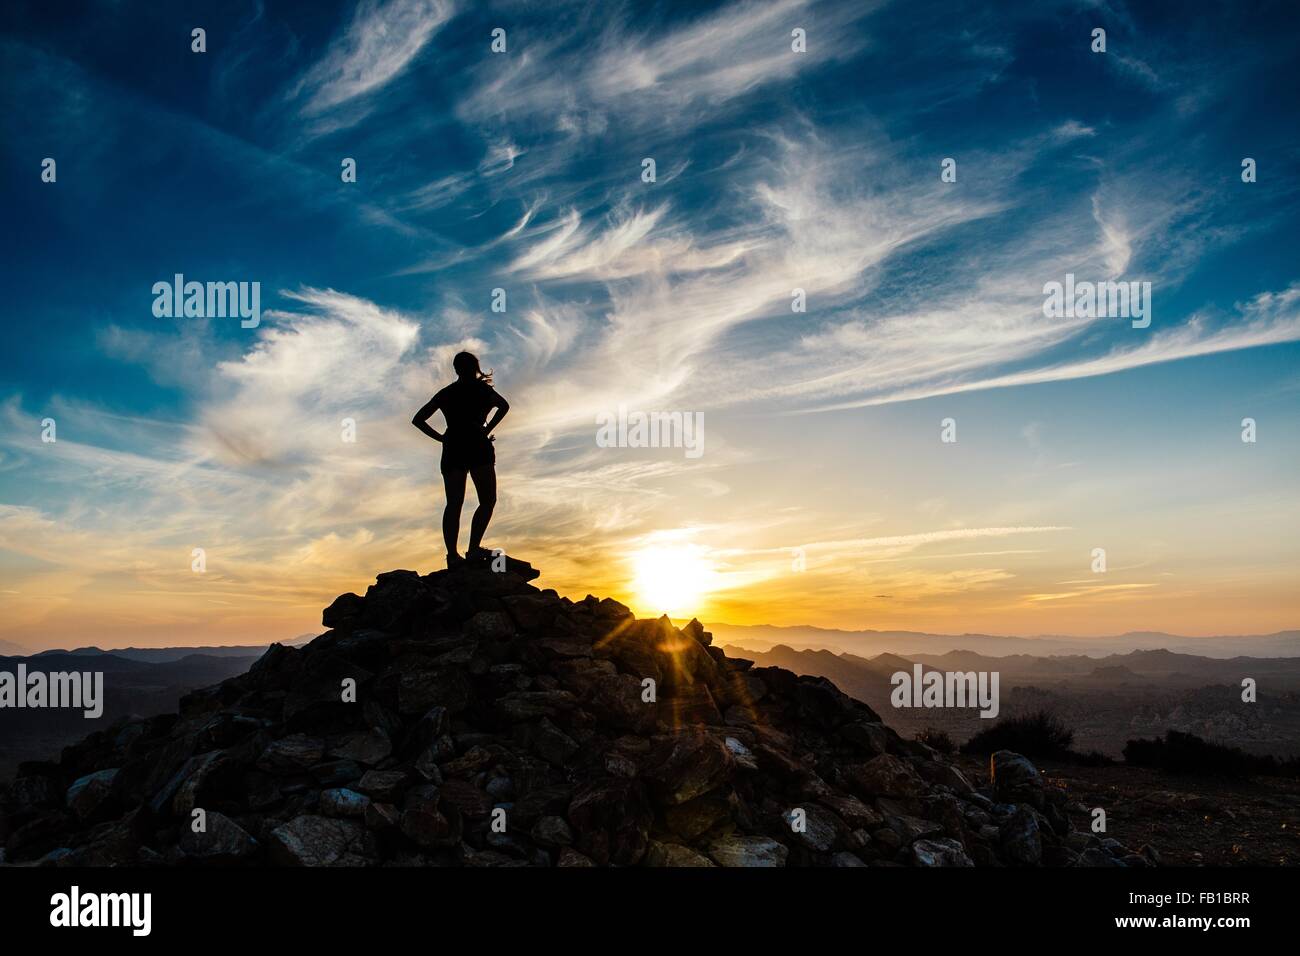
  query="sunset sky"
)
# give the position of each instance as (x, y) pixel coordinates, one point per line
(823, 495)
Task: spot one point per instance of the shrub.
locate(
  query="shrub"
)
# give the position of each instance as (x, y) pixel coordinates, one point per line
(1178, 752)
(938, 739)
(1039, 734)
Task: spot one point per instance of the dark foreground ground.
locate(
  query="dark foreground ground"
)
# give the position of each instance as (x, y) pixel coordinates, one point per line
(1191, 820)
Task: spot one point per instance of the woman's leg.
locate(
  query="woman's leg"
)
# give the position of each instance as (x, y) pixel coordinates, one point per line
(454, 484)
(485, 485)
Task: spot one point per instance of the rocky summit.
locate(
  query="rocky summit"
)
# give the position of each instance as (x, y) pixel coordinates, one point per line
(467, 718)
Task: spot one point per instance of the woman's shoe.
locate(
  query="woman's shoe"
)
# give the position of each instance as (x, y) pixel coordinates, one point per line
(454, 560)
(478, 554)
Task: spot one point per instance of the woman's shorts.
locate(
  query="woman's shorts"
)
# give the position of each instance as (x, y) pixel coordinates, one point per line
(461, 455)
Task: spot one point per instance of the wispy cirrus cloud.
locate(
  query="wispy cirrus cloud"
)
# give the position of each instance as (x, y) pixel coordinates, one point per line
(383, 38)
(674, 75)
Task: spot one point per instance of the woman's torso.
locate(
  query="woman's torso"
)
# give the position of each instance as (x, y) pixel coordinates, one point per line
(465, 406)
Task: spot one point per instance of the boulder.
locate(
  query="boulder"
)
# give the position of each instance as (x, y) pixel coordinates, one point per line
(369, 748)
(611, 821)
(222, 842)
(88, 795)
(552, 831)
(674, 855)
(297, 752)
(688, 765)
(342, 802)
(1021, 839)
(1015, 779)
(940, 852)
(310, 840)
(885, 776)
(738, 850)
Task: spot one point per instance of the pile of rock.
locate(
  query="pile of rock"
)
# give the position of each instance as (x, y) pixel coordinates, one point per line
(467, 718)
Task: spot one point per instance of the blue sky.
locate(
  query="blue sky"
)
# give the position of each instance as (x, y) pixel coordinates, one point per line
(776, 170)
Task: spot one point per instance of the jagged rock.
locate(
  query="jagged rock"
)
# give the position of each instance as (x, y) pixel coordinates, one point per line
(911, 828)
(1015, 778)
(531, 612)
(940, 853)
(821, 829)
(696, 630)
(674, 854)
(552, 831)
(345, 609)
(33, 792)
(424, 822)
(383, 785)
(743, 756)
(616, 698)
(222, 842)
(822, 703)
(419, 690)
(612, 820)
(383, 817)
(1095, 856)
(887, 838)
(367, 748)
(886, 776)
(310, 840)
(292, 753)
(1021, 840)
(199, 778)
(693, 819)
(88, 794)
(748, 851)
(853, 811)
(691, 764)
(467, 798)
(342, 802)
(690, 706)
(491, 625)
(530, 705)
(945, 774)
(553, 744)
(872, 737)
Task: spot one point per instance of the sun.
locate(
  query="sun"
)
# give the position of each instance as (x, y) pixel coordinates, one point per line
(672, 579)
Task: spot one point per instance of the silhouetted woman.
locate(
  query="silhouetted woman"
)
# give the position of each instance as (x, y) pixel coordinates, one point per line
(466, 449)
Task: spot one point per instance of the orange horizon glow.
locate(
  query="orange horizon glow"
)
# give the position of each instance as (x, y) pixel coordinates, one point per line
(671, 573)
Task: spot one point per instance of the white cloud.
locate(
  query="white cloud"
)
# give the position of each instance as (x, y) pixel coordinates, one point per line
(580, 82)
(381, 41)
(307, 371)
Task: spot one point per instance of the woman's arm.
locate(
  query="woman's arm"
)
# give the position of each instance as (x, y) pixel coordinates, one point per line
(421, 419)
(498, 413)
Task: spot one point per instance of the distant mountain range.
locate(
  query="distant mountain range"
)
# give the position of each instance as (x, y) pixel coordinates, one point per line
(862, 643)
(868, 643)
(1105, 701)
(157, 655)
(133, 684)
(10, 649)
